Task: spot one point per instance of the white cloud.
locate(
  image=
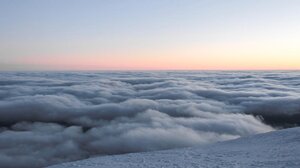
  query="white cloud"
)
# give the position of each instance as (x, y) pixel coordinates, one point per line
(48, 118)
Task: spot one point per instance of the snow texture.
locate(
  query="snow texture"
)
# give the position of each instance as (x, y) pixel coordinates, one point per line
(277, 149)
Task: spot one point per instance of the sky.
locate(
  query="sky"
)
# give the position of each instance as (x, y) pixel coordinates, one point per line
(149, 35)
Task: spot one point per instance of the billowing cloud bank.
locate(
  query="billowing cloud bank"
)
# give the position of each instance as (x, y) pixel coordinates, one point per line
(48, 118)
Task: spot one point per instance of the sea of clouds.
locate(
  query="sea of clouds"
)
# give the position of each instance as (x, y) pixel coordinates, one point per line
(53, 117)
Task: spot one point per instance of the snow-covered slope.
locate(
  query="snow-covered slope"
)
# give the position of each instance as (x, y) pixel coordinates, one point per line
(273, 149)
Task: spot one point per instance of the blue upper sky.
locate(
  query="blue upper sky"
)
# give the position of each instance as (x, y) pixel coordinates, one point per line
(148, 34)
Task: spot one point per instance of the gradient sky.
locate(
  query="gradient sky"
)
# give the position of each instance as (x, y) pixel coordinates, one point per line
(149, 34)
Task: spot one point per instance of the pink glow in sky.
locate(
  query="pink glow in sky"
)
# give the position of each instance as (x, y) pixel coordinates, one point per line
(150, 35)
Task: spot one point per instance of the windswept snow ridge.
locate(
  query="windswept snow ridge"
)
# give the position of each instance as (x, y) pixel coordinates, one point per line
(276, 149)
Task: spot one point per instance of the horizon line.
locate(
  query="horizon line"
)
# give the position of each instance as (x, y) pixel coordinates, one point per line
(139, 70)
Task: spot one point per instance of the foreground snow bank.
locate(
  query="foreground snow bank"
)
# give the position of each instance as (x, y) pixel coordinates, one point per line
(273, 149)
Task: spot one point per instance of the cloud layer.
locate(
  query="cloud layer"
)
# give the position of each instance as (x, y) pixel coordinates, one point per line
(53, 117)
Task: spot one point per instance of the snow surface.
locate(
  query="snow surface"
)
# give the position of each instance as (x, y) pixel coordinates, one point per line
(273, 149)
